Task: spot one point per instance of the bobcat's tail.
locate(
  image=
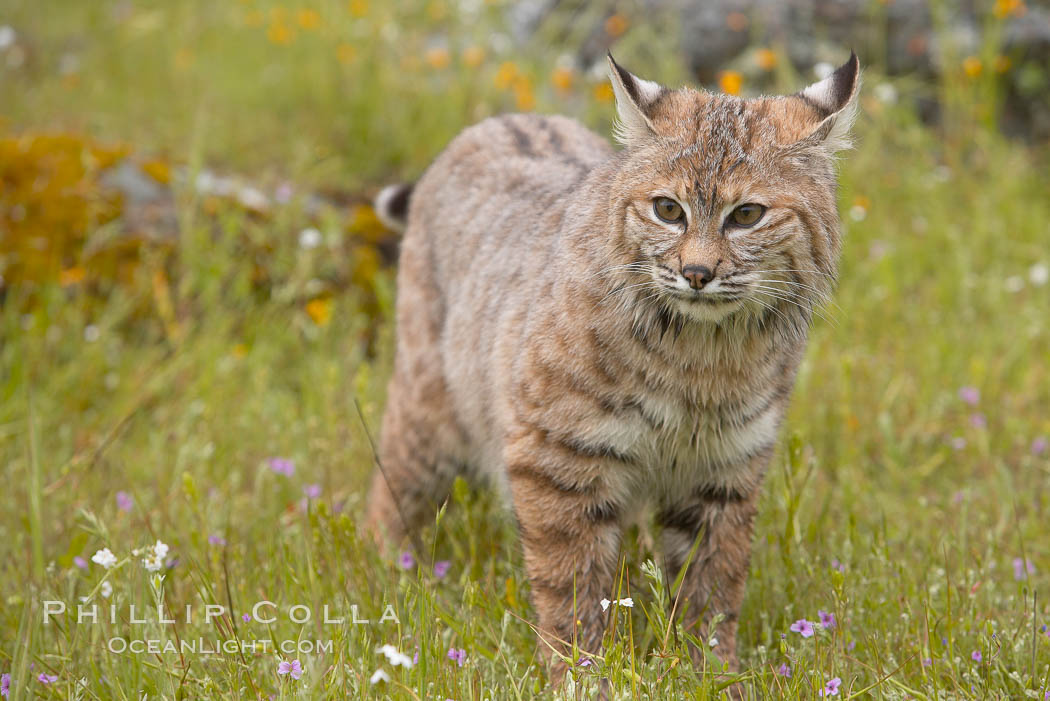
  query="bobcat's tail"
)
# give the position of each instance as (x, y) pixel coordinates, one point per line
(391, 205)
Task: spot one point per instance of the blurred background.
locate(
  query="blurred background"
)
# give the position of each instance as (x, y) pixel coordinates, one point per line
(120, 119)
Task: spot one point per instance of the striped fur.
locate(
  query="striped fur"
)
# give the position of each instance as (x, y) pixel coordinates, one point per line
(549, 342)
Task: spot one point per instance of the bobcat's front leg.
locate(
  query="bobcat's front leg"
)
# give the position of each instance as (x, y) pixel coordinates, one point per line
(570, 528)
(715, 578)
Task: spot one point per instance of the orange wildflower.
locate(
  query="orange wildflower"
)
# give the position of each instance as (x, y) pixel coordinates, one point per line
(730, 82)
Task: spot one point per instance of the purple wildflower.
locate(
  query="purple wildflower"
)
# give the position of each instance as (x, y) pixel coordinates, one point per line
(46, 678)
(283, 193)
(832, 687)
(124, 501)
(976, 656)
(246, 617)
(827, 620)
(927, 662)
(585, 662)
(80, 562)
(1023, 568)
(1040, 445)
(283, 466)
(5, 685)
(415, 657)
(852, 644)
(406, 561)
(784, 670)
(459, 655)
(803, 628)
(978, 420)
(837, 566)
(969, 394)
(958, 443)
(441, 568)
(293, 669)
(312, 491)
(215, 539)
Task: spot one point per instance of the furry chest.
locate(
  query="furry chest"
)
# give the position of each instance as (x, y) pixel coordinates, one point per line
(713, 446)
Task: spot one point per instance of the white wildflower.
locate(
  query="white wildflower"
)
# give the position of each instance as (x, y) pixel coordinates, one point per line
(1014, 283)
(91, 333)
(395, 656)
(379, 676)
(628, 602)
(885, 92)
(154, 557)
(105, 558)
(106, 590)
(1038, 274)
(309, 238)
(7, 37)
(857, 212)
(252, 198)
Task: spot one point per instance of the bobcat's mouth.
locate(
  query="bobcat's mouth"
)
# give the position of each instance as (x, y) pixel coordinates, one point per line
(702, 305)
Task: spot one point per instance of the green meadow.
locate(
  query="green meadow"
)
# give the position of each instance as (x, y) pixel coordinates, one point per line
(216, 385)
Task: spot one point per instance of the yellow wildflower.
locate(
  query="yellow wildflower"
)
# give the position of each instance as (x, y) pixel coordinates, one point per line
(730, 82)
(158, 170)
(1005, 8)
(506, 74)
(279, 33)
(603, 92)
(563, 77)
(523, 95)
(71, 276)
(358, 8)
(473, 56)
(766, 59)
(308, 18)
(972, 66)
(320, 310)
(437, 58)
(616, 25)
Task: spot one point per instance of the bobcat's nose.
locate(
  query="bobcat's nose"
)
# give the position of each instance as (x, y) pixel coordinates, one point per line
(697, 275)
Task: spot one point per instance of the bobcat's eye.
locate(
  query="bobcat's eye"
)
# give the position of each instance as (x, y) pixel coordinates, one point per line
(668, 210)
(746, 215)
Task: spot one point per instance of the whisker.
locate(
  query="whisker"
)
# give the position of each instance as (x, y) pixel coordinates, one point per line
(637, 266)
(647, 283)
(783, 296)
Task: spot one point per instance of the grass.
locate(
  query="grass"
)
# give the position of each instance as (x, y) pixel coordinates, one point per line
(893, 503)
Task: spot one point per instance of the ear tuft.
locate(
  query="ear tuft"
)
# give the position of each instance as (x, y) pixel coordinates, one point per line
(835, 100)
(635, 98)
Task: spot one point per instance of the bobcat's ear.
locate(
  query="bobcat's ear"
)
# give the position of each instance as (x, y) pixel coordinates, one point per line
(835, 101)
(634, 102)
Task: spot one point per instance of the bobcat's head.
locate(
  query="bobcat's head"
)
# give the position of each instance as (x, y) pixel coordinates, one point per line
(725, 204)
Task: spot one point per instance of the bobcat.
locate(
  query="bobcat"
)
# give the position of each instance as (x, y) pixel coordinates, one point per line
(595, 330)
